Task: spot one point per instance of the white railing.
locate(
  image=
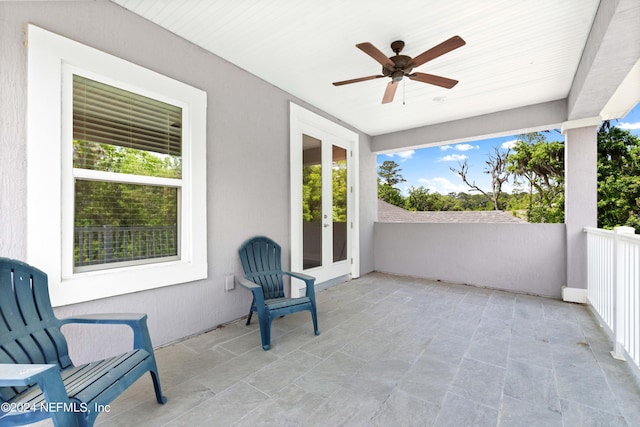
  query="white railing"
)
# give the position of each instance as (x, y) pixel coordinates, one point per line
(614, 285)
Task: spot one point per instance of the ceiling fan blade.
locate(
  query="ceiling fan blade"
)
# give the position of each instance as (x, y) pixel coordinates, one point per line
(390, 92)
(436, 51)
(359, 79)
(376, 54)
(434, 80)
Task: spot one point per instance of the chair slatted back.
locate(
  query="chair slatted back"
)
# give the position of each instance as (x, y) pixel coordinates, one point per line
(29, 330)
(260, 258)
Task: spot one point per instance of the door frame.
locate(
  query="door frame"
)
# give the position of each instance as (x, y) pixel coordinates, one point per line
(305, 121)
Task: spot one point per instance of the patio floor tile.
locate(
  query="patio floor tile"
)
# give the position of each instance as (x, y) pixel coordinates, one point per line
(396, 351)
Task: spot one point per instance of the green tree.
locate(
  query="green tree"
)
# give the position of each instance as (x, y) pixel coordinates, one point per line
(618, 177)
(518, 204)
(539, 164)
(473, 202)
(389, 173)
(101, 203)
(111, 204)
(339, 191)
(421, 199)
(388, 177)
(312, 193)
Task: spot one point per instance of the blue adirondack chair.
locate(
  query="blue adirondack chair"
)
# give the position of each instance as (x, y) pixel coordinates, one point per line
(260, 257)
(37, 377)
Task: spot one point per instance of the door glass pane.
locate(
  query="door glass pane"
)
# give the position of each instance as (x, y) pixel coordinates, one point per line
(311, 202)
(339, 192)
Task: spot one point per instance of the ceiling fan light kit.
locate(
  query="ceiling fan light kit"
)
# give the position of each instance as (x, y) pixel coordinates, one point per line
(399, 66)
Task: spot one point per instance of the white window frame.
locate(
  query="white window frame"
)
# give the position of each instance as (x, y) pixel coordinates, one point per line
(52, 60)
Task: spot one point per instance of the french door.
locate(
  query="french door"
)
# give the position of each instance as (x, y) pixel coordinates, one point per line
(323, 201)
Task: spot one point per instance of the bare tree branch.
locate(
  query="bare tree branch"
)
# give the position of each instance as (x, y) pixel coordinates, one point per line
(496, 167)
(464, 169)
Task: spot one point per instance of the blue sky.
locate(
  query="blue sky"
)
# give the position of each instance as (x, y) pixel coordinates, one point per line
(430, 167)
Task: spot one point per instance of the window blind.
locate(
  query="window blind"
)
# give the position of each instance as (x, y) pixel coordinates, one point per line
(110, 115)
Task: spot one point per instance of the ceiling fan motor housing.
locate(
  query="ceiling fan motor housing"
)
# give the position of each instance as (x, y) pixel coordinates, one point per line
(402, 67)
(401, 63)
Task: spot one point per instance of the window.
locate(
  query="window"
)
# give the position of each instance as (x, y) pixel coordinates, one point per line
(119, 151)
(120, 138)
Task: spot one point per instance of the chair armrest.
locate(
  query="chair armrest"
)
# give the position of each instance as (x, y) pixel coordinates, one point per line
(258, 293)
(136, 321)
(48, 378)
(12, 374)
(107, 318)
(246, 283)
(309, 282)
(307, 279)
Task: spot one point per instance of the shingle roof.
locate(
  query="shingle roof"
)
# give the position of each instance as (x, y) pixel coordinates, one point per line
(390, 213)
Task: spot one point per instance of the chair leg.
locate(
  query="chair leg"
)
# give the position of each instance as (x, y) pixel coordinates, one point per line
(251, 310)
(314, 317)
(156, 385)
(265, 332)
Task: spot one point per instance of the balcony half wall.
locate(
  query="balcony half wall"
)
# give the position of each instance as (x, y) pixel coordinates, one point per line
(526, 258)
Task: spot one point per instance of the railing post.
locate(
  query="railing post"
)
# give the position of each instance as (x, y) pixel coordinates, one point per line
(618, 294)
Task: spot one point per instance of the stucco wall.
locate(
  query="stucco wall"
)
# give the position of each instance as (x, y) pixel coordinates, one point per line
(368, 186)
(247, 162)
(527, 258)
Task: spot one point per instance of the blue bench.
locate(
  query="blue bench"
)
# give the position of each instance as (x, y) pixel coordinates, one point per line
(37, 377)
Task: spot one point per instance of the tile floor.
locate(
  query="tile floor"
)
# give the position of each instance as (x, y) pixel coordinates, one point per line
(396, 351)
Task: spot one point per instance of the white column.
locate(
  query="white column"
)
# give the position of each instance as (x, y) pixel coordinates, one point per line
(581, 196)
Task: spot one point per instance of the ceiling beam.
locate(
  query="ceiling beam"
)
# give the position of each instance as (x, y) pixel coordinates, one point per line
(532, 118)
(611, 51)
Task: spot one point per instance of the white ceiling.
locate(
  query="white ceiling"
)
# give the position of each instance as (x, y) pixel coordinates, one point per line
(518, 52)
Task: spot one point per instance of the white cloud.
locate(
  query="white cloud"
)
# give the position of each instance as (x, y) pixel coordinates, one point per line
(459, 147)
(466, 147)
(442, 185)
(509, 144)
(629, 126)
(404, 155)
(453, 158)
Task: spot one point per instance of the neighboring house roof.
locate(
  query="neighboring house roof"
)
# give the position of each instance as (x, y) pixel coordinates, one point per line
(390, 213)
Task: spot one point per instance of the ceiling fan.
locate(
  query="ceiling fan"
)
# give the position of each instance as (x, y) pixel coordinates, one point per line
(399, 66)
